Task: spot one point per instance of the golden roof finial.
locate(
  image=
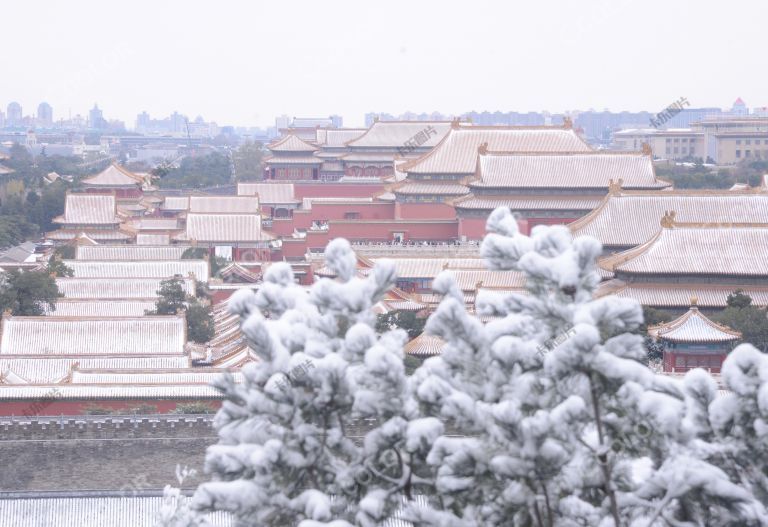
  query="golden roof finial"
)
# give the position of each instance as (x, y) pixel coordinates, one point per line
(647, 151)
(445, 266)
(482, 149)
(567, 123)
(668, 220)
(614, 187)
(694, 301)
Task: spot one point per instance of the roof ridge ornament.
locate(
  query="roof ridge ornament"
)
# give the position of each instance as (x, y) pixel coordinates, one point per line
(567, 123)
(456, 124)
(668, 220)
(694, 302)
(614, 187)
(647, 151)
(482, 149)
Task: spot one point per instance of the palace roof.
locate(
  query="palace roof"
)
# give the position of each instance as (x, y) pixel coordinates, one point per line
(631, 218)
(178, 203)
(337, 137)
(99, 308)
(224, 228)
(89, 209)
(431, 267)
(737, 249)
(47, 369)
(457, 152)
(93, 235)
(291, 143)
(692, 327)
(116, 288)
(114, 176)
(153, 239)
(149, 376)
(164, 335)
(544, 202)
(130, 252)
(139, 269)
(565, 170)
(425, 346)
(224, 204)
(396, 134)
(154, 224)
(430, 188)
(293, 160)
(679, 295)
(269, 193)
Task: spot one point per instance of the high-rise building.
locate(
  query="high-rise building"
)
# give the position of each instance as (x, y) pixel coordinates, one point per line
(143, 122)
(15, 117)
(2, 119)
(45, 114)
(96, 118)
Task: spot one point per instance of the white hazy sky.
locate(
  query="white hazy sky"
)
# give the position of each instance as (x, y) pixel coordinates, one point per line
(245, 62)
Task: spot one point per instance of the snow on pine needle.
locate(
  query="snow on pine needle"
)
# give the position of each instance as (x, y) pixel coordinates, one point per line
(562, 423)
(287, 453)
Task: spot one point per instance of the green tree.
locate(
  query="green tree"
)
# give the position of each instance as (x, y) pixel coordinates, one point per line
(198, 171)
(751, 321)
(216, 263)
(25, 293)
(171, 297)
(409, 321)
(58, 268)
(200, 326)
(248, 161)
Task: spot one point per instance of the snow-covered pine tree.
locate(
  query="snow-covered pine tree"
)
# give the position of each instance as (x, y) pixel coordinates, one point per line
(286, 454)
(545, 395)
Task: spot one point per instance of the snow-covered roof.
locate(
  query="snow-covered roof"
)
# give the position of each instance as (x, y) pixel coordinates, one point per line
(99, 308)
(395, 134)
(51, 369)
(566, 170)
(139, 269)
(544, 202)
(90, 234)
(224, 204)
(431, 267)
(697, 249)
(130, 252)
(337, 137)
(224, 228)
(153, 239)
(114, 175)
(291, 143)
(176, 203)
(93, 335)
(632, 217)
(149, 376)
(693, 326)
(133, 511)
(155, 224)
(430, 188)
(89, 209)
(457, 152)
(269, 193)
(679, 295)
(425, 346)
(116, 288)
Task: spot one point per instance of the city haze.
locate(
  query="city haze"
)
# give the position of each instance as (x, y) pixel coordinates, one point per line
(244, 63)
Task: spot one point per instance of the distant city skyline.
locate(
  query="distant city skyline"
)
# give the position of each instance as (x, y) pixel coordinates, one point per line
(235, 64)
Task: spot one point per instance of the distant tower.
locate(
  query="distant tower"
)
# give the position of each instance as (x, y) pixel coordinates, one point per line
(739, 108)
(45, 114)
(15, 116)
(142, 122)
(96, 117)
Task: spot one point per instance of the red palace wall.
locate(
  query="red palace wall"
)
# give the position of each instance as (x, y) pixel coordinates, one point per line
(532, 222)
(282, 226)
(251, 254)
(669, 362)
(294, 249)
(120, 193)
(335, 190)
(424, 211)
(474, 228)
(336, 211)
(70, 407)
(384, 231)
